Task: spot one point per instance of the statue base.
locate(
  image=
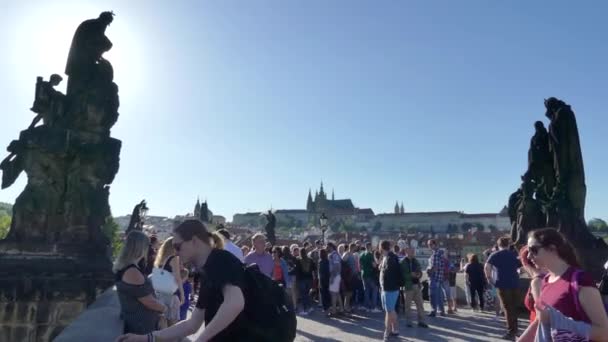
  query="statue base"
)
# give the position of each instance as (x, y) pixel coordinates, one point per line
(42, 291)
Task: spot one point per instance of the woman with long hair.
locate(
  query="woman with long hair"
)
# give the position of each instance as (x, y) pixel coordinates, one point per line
(475, 280)
(566, 292)
(536, 281)
(221, 300)
(167, 259)
(139, 308)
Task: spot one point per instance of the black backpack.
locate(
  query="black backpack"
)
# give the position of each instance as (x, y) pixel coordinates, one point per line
(269, 311)
(604, 284)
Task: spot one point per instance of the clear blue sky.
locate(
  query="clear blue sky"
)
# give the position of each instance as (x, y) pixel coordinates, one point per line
(251, 103)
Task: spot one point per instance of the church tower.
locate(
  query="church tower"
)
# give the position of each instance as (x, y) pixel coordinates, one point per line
(333, 197)
(402, 209)
(197, 208)
(310, 206)
(397, 208)
(204, 213)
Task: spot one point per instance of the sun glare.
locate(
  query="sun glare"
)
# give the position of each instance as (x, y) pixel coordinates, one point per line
(41, 46)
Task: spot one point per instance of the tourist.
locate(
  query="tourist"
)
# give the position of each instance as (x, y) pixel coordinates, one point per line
(187, 286)
(335, 269)
(347, 274)
(305, 268)
(230, 246)
(260, 256)
(324, 280)
(290, 254)
(436, 273)
(452, 308)
(507, 282)
(139, 308)
(314, 254)
(475, 281)
(390, 282)
(357, 282)
(168, 260)
(220, 301)
(377, 261)
(412, 272)
(467, 291)
(366, 261)
(154, 245)
(245, 250)
(536, 281)
(566, 289)
(279, 268)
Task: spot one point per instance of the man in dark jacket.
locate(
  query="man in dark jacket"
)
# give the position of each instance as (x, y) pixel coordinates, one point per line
(391, 280)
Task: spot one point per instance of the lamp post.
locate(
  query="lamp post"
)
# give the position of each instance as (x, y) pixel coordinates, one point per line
(323, 222)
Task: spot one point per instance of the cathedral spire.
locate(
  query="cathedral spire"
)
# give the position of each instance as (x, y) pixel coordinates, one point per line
(333, 198)
(309, 202)
(321, 191)
(402, 209)
(197, 207)
(397, 207)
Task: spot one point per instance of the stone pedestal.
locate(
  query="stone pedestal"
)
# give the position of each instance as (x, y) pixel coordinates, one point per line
(41, 293)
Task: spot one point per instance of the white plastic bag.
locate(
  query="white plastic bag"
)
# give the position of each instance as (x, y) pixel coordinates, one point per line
(163, 281)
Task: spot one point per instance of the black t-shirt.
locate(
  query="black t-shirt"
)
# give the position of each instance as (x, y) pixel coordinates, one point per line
(476, 276)
(221, 269)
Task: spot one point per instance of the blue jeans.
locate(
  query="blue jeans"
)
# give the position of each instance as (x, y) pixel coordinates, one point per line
(304, 285)
(436, 293)
(371, 293)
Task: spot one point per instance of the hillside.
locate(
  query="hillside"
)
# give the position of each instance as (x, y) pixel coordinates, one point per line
(6, 209)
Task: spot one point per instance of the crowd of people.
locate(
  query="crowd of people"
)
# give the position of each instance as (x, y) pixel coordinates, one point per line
(344, 279)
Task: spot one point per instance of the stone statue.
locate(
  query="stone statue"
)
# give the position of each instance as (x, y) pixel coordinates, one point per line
(565, 146)
(270, 227)
(56, 239)
(513, 205)
(529, 213)
(48, 102)
(88, 45)
(540, 160)
(137, 217)
(70, 159)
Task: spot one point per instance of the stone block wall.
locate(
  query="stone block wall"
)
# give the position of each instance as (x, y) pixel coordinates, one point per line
(38, 298)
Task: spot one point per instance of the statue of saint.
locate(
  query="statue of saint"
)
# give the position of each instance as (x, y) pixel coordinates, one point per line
(137, 217)
(565, 146)
(48, 102)
(270, 227)
(529, 213)
(88, 45)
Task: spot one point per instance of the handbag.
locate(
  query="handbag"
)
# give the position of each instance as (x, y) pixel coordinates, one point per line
(163, 281)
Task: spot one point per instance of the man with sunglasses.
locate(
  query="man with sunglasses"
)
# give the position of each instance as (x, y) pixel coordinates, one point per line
(507, 265)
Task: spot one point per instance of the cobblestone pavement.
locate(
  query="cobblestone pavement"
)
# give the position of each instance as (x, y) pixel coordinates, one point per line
(464, 326)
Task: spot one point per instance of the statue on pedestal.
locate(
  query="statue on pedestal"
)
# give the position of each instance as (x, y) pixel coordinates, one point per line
(270, 227)
(70, 159)
(137, 217)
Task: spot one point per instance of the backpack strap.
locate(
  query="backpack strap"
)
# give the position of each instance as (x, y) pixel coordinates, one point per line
(575, 288)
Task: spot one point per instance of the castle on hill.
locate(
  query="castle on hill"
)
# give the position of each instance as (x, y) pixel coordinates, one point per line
(344, 212)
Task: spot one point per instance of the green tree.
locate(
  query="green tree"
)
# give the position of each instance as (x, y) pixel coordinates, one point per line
(5, 224)
(112, 231)
(598, 225)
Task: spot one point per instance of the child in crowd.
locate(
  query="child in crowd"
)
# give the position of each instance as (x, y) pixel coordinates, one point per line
(183, 309)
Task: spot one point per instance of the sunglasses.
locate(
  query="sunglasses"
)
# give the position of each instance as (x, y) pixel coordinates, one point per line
(534, 249)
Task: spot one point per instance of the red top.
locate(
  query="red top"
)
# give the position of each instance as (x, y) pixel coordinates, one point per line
(560, 294)
(278, 272)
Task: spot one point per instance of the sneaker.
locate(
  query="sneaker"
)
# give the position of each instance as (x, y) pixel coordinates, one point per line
(310, 310)
(432, 314)
(394, 334)
(301, 313)
(422, 325)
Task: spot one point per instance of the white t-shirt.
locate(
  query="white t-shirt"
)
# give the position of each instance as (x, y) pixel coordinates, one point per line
(233, 249)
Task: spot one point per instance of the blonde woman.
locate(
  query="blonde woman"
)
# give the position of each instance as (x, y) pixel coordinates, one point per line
(167, 259)
(139, 307)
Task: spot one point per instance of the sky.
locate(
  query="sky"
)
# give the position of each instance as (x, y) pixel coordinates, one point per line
(248, 104)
